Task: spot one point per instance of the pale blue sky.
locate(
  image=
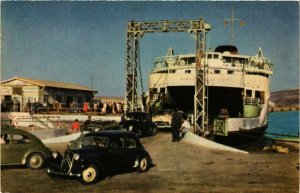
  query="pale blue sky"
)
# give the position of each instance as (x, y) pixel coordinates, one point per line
(74, 41)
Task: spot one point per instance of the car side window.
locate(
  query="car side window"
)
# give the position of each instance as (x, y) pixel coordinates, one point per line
(130, 143)
(147, 118)
(20, 139)
(117, 143)
(101, 141)
(4, 139)
(96, 141)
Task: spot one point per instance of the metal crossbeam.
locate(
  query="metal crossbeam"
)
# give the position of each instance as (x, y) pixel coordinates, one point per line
(136, 30)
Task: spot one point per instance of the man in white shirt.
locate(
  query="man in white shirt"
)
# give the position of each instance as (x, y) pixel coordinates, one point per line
(185, 127)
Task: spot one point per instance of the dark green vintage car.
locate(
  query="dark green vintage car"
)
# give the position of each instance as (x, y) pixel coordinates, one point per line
(19, 147)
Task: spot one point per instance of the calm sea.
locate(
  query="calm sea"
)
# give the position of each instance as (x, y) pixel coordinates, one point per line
(285, 123)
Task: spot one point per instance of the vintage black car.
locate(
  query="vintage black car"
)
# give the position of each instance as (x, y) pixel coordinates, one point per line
(102, 154)
(139, 123)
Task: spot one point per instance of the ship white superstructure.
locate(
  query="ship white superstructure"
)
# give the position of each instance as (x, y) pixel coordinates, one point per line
(237, 87)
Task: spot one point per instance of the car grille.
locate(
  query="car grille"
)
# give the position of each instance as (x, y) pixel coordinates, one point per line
(162, 123)
(67, 162)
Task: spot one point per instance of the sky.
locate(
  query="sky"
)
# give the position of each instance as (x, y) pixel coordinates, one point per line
(85, 42)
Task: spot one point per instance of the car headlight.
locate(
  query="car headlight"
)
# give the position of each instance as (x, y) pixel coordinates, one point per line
(55, 154)
(76, 156)
(130, 128)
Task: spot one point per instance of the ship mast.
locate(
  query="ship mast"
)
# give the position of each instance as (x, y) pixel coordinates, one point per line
(231, 23)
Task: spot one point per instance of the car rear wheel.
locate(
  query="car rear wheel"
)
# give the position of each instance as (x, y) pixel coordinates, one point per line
(35, 161)
(90, 175)
(144, 164)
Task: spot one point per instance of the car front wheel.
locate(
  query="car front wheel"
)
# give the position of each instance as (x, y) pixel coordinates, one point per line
(144, 164)
(154, 131)
(90, 175)
(35, 161)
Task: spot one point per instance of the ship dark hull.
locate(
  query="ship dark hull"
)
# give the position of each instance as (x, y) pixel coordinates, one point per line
(243, 138)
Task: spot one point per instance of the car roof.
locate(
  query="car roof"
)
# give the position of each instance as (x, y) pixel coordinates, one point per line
(136, 112)
(93, 125)
(111, 133)
(15, 131)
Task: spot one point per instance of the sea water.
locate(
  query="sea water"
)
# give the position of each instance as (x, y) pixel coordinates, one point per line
(284, 123)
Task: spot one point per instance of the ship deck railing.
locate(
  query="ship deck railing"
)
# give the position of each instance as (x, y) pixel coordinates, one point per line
(254, 64)
(247, 67)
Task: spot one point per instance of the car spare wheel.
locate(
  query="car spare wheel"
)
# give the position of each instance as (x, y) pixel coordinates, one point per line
(35, 161)
(90, 175)
(144, 164)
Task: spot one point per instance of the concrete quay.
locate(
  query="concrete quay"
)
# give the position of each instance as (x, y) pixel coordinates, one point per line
(179, 167)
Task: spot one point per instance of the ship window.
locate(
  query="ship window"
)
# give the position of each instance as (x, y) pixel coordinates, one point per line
(209, 56)
(187, 71)
(153, 90)
(172, 71)
(216, 56)
(217, 71)
(230, 72)
(189, 60)
(248, 93)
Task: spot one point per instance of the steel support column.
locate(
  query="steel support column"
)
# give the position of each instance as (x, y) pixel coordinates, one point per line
(200, 111)
(135, 30)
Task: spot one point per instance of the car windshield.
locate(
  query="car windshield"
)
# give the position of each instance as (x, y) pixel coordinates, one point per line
(96, 141)
(164, 112)
(137, 117)
(131, 117)
(90, 129)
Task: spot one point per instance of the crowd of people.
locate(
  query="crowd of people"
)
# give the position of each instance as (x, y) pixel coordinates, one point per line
(73, 107)
(97, 107)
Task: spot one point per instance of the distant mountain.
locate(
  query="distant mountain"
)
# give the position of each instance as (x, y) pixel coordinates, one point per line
(285, 98)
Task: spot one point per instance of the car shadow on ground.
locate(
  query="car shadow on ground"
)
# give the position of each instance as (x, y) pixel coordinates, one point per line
(13, 167)
(115, 173)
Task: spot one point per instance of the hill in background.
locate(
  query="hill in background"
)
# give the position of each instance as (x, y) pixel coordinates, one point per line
(284, 100)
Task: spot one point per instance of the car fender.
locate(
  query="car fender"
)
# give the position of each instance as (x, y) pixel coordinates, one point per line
(30, 152)
(142, 154)
(86, 163)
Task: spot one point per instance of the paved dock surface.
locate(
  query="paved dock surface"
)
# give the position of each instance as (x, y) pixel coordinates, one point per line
(179, 167)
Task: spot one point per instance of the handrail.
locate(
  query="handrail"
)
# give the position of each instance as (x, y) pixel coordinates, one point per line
(251, 101)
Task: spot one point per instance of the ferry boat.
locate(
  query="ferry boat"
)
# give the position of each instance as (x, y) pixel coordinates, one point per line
(237, 88)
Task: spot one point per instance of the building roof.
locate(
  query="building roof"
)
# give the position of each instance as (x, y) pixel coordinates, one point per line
(48, 83)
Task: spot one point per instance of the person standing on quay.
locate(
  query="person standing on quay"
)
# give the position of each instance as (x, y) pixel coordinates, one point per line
(176, 124)
(75, 127)
(85, 107)
(88, 121)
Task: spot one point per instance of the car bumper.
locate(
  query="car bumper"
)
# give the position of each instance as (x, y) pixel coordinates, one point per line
(162, 124)
(59, 173)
